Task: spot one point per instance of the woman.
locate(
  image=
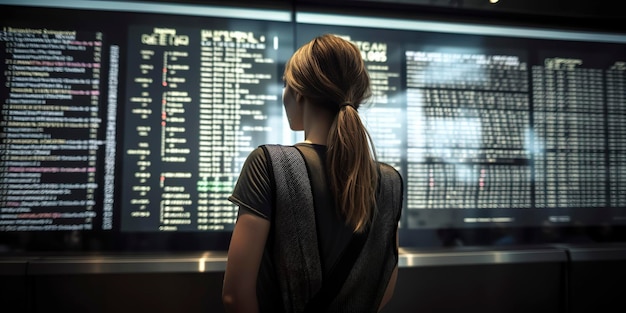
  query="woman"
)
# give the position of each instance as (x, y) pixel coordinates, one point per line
(325, 83)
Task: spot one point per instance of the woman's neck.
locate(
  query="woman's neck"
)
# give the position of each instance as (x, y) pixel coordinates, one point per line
(317, 122)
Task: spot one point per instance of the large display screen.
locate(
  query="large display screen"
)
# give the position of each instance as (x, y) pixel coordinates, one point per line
(496, 131)
(198, 101)
(123, 128)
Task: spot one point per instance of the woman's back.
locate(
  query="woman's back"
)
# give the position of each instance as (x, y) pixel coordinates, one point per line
(296, 220)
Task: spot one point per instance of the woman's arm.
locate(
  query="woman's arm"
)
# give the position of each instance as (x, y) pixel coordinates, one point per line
(242, 266)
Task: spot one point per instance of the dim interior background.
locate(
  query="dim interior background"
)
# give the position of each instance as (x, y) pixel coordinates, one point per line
(575, 274)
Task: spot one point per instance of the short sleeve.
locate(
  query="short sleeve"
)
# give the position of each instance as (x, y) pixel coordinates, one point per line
(253, 191)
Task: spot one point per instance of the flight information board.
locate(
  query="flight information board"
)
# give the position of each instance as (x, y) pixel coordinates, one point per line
(51, 119)
(219, 96)
(130, 135)
(494, 131)
(136, 127)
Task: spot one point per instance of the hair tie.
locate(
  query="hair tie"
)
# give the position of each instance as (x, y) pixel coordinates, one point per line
(345, 103)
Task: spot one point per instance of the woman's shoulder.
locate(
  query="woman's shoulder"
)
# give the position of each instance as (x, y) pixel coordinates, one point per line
(257, 155)
(389, 172)
(391, 190)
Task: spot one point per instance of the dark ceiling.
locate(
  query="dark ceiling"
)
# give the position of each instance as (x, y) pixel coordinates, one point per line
(580, 14)
(566, 8)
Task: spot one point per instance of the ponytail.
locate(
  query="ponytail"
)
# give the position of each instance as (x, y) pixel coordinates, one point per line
(351, 167)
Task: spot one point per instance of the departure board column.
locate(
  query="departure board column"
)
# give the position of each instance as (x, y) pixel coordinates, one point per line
(468, 122)
(616, 103)
(382, 114)
(236, 69)
(50, 124)
(160, 147)
(569, 130)
(200, 101)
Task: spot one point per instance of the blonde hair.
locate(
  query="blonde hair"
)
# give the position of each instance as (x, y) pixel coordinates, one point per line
(330, 71)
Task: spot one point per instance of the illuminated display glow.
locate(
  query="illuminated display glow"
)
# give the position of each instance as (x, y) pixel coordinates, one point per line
(141, 126)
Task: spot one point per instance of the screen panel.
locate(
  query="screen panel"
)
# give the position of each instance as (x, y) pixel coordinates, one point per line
(220, 96)
(125, 128)
(503, 136)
